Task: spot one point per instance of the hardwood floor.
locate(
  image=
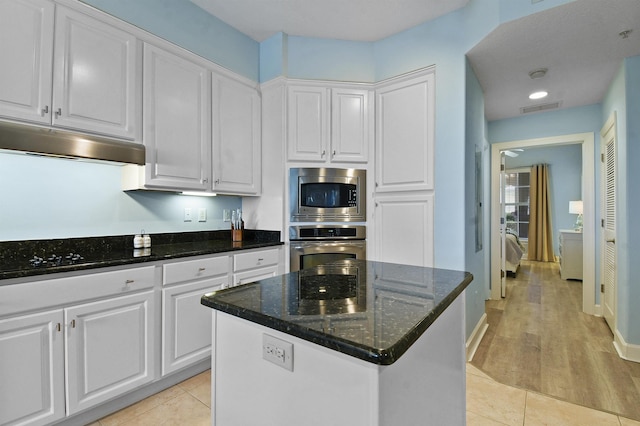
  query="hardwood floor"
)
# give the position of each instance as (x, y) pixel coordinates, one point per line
(538, 339)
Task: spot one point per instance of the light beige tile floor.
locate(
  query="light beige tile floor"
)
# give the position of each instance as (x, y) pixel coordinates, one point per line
(489, 403)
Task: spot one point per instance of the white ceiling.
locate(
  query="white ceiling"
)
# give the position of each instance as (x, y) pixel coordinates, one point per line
(578, 42)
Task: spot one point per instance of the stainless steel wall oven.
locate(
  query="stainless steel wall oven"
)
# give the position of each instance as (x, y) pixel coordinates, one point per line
(313, 245)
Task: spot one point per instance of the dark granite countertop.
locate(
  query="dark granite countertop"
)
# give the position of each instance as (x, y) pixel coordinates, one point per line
(373, 311)
(101, 252)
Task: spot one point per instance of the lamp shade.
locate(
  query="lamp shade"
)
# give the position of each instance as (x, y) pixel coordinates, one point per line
(575, 207)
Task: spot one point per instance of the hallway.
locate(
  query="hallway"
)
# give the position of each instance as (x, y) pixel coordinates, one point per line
(539, 340)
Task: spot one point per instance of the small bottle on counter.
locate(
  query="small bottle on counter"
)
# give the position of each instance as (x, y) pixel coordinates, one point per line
(138, 241)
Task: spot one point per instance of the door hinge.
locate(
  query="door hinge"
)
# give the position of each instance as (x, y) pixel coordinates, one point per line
(602, 157)
(602, 223)
(601, 288)
(501, 273)
(502, 167)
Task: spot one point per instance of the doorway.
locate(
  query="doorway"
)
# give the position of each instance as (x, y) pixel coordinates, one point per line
(586, 140)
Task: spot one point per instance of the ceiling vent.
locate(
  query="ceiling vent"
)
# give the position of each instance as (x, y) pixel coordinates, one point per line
(538, 108)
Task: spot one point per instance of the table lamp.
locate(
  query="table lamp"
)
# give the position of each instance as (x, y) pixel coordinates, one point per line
(575, 207)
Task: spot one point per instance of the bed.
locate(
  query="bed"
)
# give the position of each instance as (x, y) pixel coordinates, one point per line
(514, 251)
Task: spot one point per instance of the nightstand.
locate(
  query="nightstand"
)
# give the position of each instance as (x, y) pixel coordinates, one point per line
(570, 254)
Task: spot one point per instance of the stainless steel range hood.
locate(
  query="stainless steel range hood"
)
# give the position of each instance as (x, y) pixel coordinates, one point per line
(61, 143)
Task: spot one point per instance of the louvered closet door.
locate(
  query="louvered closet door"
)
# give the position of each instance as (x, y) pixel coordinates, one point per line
(608, 299)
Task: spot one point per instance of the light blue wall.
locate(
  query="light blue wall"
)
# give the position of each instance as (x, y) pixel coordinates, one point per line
(623, 98)
(274, 57)
(46, 198)
(585, 119)
(565, 180)
(476, 261)
(328, 59)
(185, 24)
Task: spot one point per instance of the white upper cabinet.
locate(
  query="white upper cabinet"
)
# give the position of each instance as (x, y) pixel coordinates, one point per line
(349, 125)
(327, 124)
(91, 84)
(26, 49)
(96, 76)
(405, 120)
(177, 130)
(236, 137)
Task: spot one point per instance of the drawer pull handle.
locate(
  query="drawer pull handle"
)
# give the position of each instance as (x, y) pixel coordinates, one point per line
(73, 323)
(201, 269)
(59, 112)
(45, 110)
(129, 281)
(612, 240)
(58, 327)
(260, 259)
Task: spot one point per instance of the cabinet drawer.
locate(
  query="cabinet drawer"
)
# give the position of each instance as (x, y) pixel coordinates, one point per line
(37, 295)
(194, 269)
(255, 259)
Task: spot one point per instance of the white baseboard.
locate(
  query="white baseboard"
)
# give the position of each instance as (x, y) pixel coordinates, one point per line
(476, 337)
(625, 350)
(597, 310)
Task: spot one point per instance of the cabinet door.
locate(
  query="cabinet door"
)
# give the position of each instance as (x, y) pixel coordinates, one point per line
(32, 369)
(186, 324)
(403, 227)
(236, 137)
(349, 125)
(308, 123)
(96, 76)
(405, 112)
(177, 134)
(109, 349)
(26, 49)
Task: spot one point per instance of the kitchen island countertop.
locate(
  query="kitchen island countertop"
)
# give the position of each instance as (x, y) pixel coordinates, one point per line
(373, 311)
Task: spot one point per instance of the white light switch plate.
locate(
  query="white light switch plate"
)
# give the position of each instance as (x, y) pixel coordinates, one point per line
(187, 214)
(202, 214)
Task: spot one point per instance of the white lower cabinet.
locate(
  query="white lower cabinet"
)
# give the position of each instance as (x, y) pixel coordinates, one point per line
(32, 369)
(186, 323)
(59, 362)
(109, 347)
(256, 265)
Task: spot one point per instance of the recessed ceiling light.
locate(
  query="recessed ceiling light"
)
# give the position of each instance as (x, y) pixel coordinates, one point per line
(538, 95)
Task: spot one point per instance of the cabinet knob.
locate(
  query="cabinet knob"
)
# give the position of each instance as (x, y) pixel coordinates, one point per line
(217, 181)
(205, 180)
(45, 110)
(323, 153)
(59, 112)
(333, 153)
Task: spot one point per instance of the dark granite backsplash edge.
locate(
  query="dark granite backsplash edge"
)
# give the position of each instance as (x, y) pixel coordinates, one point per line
(15, 251)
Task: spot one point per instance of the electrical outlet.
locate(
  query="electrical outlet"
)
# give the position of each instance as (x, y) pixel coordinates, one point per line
(202, 214)
(277, 351)
(226, 215)
(187, 214)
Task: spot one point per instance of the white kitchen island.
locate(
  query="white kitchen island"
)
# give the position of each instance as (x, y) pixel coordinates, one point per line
(357, 343)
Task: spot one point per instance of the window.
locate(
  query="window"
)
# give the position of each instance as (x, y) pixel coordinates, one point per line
(516, 194)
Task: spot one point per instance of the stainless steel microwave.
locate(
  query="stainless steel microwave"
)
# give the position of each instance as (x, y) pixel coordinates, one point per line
(327, 195)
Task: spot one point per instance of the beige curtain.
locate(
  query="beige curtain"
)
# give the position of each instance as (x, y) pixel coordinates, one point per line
(540, 230)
